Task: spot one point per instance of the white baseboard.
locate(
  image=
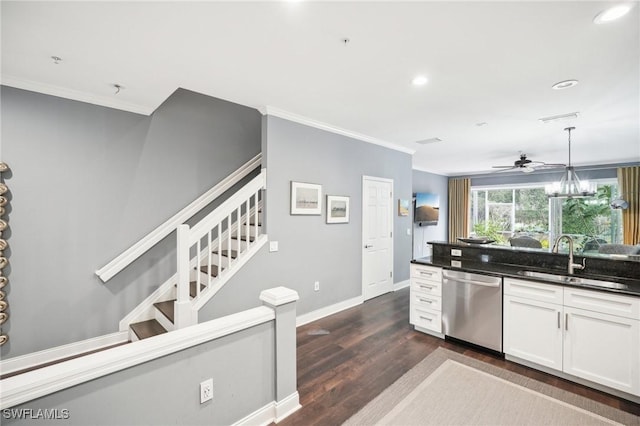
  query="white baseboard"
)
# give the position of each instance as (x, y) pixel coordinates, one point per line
(400, 285)
(59, 352)
(261, 417)
(273, 412)
(287, 406)
(328, 310)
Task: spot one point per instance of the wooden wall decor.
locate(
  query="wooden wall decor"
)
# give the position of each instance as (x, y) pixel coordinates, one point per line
(4, 245)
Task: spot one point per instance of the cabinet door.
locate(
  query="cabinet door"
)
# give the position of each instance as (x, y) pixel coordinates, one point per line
(603, 348)
(533, 331)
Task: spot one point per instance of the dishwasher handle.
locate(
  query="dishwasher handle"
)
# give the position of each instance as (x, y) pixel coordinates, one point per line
(472, 282)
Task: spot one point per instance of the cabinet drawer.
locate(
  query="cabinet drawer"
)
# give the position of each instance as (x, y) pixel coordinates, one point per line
(532, 290)
(421, 300)
(606, 303)
(424, 272)
(426, 287)
(426, 318)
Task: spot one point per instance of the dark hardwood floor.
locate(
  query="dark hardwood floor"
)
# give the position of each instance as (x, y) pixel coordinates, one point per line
(372, 345)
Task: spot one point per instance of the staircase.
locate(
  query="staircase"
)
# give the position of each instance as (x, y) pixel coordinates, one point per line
(208, 254)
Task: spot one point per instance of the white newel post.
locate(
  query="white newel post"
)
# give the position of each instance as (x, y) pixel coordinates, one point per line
(183, 316)
(283, 301)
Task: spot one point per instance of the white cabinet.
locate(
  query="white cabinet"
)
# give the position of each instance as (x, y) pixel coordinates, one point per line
(601, 347)
(588, 334)
(425, 305)
(532, 331)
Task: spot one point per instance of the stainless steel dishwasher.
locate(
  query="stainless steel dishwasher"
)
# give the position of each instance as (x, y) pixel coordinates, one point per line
(472, 308)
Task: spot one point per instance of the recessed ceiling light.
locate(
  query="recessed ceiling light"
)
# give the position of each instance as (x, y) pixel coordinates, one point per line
(612, 14)
(561, 117)
(427, 141)
(56, 59)
(419, 80)
(564, 84)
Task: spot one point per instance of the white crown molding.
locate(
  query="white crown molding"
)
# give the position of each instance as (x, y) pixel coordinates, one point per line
(420, 169)
(276, 112)
(75, 95)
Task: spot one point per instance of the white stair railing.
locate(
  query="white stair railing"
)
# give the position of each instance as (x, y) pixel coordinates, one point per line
(227, 227)
(147, 242)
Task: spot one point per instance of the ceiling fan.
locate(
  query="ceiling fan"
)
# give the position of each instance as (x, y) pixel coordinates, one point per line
(527, 166)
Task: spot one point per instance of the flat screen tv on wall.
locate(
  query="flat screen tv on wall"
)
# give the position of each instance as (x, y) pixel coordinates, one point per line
(427, 208)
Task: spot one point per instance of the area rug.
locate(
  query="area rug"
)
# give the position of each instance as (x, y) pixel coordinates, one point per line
(448, 388)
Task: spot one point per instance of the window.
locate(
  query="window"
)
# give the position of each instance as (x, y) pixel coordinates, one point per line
(503, 212)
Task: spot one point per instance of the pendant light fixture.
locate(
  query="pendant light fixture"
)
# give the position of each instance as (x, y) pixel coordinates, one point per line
(570, 186)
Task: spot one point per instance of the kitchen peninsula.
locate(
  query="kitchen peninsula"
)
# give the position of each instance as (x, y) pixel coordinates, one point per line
(583, 326)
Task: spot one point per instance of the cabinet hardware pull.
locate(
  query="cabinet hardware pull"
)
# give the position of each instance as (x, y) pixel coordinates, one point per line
(426, 273)
(566, 322)
(425, 318)
(426, 300)
(558, 319)
(426, 286)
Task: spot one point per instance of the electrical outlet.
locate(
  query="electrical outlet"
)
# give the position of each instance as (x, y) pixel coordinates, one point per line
(273, 246)
(316, 286)
(206, 391)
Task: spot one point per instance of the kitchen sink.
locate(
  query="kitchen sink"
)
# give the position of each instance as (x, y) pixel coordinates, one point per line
(569, 279)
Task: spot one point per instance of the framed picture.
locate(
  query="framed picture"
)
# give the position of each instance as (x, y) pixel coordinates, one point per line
(337, 209)
(403, 207)
(306, 198)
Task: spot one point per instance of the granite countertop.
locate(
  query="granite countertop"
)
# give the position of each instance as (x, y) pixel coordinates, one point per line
(625, 285)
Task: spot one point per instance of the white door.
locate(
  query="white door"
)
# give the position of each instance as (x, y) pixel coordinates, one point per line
(533, 331)
(602, 348)
(377, 236)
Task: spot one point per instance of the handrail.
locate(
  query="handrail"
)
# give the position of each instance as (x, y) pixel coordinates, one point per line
(229, 206)
(151, 239)
(208, 235)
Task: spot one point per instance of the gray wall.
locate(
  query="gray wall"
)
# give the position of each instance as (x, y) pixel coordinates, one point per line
(435, 184)
(87, 182)
(309, 248)
(167, 390)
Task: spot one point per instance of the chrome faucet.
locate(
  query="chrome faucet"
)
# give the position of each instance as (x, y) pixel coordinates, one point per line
(572, 266)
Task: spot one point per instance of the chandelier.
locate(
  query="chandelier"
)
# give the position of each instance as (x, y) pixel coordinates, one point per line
(570, 186)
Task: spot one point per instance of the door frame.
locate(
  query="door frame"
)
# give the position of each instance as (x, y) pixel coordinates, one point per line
(366, 178)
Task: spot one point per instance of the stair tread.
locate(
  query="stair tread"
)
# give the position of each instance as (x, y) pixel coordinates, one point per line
(167, 308)
(225, 253)
(214, 270)
(192, 288)
(147, 329)
(244, 238)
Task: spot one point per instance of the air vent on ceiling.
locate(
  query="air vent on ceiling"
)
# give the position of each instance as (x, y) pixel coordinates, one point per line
(562, 117)
(427, 141)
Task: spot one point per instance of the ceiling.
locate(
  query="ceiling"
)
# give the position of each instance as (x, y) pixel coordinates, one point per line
(486, 62)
